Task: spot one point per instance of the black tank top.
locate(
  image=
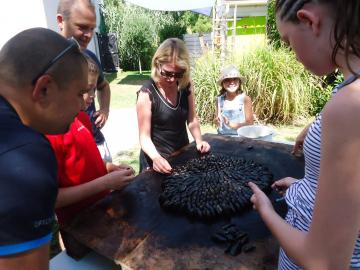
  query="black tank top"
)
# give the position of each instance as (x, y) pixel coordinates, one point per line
(168, 122)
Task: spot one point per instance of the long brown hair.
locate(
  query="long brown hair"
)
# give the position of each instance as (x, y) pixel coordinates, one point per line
(347, 23)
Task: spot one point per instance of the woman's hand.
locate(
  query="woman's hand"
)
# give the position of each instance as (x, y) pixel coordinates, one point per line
(283, 184)
(161, 165)
(203, 147)
(260, 201)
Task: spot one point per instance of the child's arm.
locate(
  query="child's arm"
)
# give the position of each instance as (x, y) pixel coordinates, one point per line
(115, 180)
(217, 118)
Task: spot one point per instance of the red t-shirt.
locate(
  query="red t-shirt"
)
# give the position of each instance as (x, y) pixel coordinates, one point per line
(79, 161)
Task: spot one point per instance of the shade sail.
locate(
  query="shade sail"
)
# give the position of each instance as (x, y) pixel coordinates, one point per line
(199, 6)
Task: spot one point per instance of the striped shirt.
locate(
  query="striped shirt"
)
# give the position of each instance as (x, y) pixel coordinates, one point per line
(300, 196)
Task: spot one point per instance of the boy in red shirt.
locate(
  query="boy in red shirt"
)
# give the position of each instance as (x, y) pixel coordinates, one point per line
(83, 176)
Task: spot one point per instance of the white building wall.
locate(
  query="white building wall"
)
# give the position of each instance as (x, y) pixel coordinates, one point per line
(18, 15)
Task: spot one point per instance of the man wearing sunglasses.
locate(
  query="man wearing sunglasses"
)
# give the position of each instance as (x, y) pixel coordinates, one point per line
(40, 71)
(77, 18)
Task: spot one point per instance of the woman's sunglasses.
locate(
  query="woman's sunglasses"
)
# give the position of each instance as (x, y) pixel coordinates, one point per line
(168, 75)
(73, 44)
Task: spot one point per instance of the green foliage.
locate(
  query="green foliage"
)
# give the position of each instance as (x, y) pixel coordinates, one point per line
(195, 23)
(280, 88)
(140, 31)
(202, 25)
(321, 97)
(271, 30)
(205, 76)
(137, 41)
(168, 25)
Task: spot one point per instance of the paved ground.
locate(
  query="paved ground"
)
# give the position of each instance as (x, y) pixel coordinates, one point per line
(121, 130)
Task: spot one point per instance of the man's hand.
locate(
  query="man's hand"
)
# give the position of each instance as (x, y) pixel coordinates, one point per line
(101, 118)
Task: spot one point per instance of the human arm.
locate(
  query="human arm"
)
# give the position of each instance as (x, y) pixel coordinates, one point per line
(299, 142)
(217, 116)
(143, 109)
(194, 126)
(336, 217)
(117, 180)
(103, 96)
(249, 115)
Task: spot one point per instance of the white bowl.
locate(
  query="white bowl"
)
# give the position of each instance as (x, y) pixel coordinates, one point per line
(257, 132)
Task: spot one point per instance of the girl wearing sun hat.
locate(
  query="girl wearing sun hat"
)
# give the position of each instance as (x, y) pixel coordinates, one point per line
(233, 106)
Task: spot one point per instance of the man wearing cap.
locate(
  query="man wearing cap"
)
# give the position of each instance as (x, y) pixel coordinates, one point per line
(40, 71)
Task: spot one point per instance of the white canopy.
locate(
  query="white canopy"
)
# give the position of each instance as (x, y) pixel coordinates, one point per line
(199, 6)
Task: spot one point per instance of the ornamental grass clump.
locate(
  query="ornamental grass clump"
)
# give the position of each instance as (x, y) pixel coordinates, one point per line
(280, 88)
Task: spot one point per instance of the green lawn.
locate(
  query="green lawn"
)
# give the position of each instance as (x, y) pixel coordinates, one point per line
(124, 86)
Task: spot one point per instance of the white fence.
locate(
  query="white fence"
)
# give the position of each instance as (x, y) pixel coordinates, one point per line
(197, 45)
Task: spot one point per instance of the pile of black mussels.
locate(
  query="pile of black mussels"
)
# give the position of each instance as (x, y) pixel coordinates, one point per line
(212, 186)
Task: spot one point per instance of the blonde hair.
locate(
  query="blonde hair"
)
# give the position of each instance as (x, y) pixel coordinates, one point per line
(172, 50)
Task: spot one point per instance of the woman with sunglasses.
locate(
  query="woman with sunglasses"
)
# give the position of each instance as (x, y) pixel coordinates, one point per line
(165, 105)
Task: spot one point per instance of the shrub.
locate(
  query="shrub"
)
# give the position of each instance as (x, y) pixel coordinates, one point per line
(280, 88)
(137, 41)
(271, 30)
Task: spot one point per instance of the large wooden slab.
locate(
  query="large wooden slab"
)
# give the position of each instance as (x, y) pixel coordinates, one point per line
(130, 228)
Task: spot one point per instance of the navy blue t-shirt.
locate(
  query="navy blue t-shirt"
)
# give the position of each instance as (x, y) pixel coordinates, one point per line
(28, 185)
(99, 137)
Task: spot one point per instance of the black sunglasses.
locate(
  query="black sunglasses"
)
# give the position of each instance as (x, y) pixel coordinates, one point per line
(73, 44)
(169, 75)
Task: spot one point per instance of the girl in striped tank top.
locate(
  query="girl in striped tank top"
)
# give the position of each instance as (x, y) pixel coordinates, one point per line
(321, 230)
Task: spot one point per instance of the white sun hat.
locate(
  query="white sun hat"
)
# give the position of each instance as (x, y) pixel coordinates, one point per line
(230, 72)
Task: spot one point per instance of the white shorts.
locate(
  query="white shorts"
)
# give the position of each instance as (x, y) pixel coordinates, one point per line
(104, 151)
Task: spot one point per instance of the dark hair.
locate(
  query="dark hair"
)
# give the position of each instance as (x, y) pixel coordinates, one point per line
(65, 6)
(27, 53)
(347, 22)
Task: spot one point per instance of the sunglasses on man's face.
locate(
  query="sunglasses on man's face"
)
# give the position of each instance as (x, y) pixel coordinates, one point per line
(73, 44)
(168, 75)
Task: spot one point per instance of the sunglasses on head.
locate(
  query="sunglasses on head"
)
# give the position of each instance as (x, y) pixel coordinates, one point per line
(73, 44)
(168, 75)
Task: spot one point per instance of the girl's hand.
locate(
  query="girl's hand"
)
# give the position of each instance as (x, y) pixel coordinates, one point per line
(161, 165)
(217, 121)
(203, 147)
(299, 142)
(226, 120)
(283, 184)
(260, 201)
